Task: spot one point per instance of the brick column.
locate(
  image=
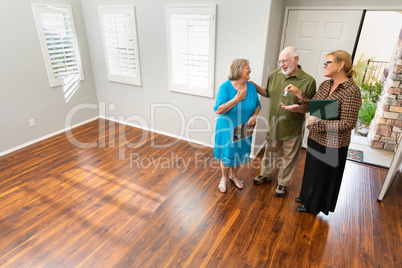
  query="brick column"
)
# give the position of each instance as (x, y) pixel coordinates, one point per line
(385, 129)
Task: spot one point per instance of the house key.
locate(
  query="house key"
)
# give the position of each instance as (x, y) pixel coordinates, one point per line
(286, 92)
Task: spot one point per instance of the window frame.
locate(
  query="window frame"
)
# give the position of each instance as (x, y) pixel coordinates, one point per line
(114, 77)
(38, 9)
(193, 10)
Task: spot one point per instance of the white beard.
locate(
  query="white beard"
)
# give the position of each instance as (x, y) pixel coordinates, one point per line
(290, 70)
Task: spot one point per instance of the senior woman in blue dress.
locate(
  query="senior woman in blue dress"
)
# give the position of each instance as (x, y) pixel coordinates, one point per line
(237, 103)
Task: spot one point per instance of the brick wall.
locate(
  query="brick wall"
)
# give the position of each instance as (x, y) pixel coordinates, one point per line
(385, 129)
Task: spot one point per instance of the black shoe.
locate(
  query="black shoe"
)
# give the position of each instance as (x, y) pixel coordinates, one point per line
(297, 199)
(301, 208)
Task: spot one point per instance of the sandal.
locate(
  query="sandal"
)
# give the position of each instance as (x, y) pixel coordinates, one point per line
(237, 182)
(222, 186)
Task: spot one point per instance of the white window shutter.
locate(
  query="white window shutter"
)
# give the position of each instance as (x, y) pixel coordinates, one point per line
(191, 49)
(120, 42)
(56, 31)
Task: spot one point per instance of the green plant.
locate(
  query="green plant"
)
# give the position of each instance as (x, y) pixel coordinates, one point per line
(370, 89)
(367, 111)
(362, 68)
(371, 92)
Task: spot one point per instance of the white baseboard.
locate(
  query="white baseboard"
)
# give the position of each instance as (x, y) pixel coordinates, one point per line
(45, 137)
(253, 155)
(121, 122)
(158, 131)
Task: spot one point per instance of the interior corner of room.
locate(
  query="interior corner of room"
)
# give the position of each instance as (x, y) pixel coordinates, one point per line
(33, 110)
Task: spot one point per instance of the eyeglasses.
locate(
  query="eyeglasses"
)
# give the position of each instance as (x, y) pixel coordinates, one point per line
(282, 61)
(327, 62)
(249, 68)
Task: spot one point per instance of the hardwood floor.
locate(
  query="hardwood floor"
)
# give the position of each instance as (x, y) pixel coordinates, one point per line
(122, 202)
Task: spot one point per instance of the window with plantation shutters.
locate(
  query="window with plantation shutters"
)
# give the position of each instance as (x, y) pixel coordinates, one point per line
(57, 36)
(120, 44)
(191, 49)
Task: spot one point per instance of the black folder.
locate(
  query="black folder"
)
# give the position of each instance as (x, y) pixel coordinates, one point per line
(324, 109)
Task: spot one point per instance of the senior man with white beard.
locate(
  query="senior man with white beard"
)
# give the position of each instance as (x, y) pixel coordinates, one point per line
(285, 128)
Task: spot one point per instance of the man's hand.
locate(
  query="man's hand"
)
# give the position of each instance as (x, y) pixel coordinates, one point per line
(292, 108)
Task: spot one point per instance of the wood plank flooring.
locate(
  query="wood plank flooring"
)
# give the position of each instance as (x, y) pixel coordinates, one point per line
(138, 199)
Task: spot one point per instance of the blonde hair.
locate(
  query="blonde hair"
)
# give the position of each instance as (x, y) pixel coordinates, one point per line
(341, 55)
(235, 68)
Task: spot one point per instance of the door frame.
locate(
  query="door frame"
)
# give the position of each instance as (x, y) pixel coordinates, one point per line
(356, 8)
(397, 159)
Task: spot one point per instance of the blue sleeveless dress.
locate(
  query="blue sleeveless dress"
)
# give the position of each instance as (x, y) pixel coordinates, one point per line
(226, 149)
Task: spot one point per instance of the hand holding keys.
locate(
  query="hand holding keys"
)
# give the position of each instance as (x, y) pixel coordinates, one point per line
(286, 92)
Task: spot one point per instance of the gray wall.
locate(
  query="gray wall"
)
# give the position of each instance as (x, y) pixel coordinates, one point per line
(25, 91)
(239, 33)
(249, 29)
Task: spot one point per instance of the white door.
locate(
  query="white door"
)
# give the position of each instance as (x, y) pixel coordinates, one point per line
(315, 33)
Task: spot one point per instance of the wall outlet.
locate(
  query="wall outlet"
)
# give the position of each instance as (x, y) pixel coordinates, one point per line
(32, 122)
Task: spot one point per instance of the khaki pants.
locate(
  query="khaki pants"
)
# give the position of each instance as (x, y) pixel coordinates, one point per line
(286, 162)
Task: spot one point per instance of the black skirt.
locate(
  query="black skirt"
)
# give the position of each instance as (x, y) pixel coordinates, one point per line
(322, 177)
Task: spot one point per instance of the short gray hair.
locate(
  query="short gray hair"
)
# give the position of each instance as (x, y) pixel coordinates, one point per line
(236, 67)
(292, 51)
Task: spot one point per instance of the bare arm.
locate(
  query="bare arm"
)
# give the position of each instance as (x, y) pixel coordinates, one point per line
(260, 90)
(253, 118)
(223, 108)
